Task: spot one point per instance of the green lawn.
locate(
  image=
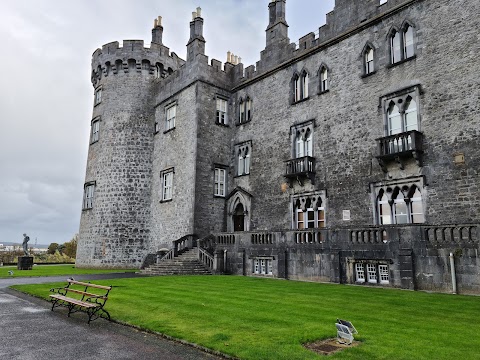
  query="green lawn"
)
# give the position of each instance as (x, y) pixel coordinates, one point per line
(52, 270)
(253, 318)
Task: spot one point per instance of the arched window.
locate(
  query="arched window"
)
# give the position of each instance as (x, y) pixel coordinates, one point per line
(245, 110)
(309, 213)
(323, 79)
(241, 106)
(304, 143)
(248, 109)
(408, 45)
(243, 152)
(301, 86)
(416, 207)
(400, 210)
(402, 43)
(394, 119)
(384, 209)
(247, 161)
(400, 205)
(395, 46)
(369, 64)
(411, 118)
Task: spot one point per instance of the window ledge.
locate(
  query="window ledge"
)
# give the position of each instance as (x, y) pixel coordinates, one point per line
(156, 132)
(323, 92)
(86, 209)
(223, 125)
(167, 131)
(402, 61)
(238, 176)
(219, 196)
(300, 101)
(93, 142)
(166, 201)
(243, 122)
(368, 75)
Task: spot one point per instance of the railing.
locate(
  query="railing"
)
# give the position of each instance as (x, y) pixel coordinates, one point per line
(397, 144)
(184, 243)
(300, 166)
(205, 258)
(368, 236)
(310, 236)
(225, 239)
(167, 256)
(460, 234)
(262, 238)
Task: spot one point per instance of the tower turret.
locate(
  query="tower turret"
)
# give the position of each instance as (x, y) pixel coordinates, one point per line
(277, 30)
(196, 44)
(114, 225)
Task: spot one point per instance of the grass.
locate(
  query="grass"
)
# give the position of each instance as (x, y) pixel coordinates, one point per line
(52, 270)
(253, 318)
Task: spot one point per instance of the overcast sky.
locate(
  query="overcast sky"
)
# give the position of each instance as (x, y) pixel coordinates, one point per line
(46, 96)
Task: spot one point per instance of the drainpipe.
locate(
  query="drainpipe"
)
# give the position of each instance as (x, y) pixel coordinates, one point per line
(454, 277)
(224, 261)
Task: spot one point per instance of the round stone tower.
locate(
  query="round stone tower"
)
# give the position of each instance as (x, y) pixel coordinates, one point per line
(116, 205)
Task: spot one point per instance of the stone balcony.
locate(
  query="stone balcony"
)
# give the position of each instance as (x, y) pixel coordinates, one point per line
(400, 148)
(300, 169)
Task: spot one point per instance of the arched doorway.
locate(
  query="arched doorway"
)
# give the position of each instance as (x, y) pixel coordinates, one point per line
(239, 218)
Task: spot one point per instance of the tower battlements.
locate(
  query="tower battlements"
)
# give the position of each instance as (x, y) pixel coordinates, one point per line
(133, 57)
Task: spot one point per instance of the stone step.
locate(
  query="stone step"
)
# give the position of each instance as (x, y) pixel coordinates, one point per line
(186, 263)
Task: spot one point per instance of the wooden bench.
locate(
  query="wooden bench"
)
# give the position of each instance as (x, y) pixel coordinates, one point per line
(80, 296)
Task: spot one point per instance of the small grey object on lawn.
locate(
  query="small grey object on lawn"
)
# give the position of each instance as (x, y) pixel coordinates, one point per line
(10, 272)
(345, 331)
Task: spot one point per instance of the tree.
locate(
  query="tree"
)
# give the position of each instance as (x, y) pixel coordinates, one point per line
(52, 248)
(70, 247)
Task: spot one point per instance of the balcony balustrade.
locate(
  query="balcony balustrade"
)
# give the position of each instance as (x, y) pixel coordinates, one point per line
(300, 169)
(400, 147)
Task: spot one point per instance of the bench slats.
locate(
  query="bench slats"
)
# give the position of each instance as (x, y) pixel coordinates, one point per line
(85, 293)
(74, 282)
(75, 301)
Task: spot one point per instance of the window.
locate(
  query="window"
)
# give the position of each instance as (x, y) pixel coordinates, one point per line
(95, 129)
(372, 272)
(171, 113)
(88, 193)
(300, 83)
(402, 116)
(369, 64)
(324, 86)
(262, 266)
(309, 213)
(383, 274)
(304, 143)
(219, 187)
(360, 272)
(243, 152)
(400, 204)
(167, 184)
(222, 117)
(245, 110)
(98, 96)
(402, 44)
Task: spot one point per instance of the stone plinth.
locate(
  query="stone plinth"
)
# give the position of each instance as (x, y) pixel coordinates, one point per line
(25, 263)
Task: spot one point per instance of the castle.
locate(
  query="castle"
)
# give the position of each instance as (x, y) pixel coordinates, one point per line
(351, 156)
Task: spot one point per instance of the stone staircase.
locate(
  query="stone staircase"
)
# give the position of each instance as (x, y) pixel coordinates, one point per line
(185, 264)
